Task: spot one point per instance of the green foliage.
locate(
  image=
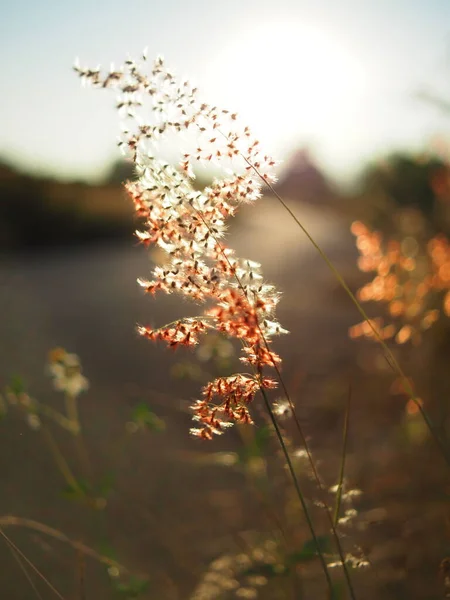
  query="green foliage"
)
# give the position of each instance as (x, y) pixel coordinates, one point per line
(132, 588)
(17, 384)
(105, 549)
(125, 587)
(405, 179)
(106, 484)
(144, 418)
(187, 370)
(92, 496)
(40, 213)
(269, 570)
(309, 550)
(257, 446)
(306, 554)
(400, 181)
(77, 492)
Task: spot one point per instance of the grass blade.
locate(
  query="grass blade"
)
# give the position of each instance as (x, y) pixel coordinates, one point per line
(344, 454)
(30, 564)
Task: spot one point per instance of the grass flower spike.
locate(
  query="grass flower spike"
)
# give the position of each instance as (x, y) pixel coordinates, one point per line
(189, 225)
(65, 370)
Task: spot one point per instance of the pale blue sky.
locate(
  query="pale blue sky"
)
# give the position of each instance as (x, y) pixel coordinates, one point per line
(50, 124)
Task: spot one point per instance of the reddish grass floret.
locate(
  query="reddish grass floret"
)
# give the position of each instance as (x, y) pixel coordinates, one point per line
(407, 284)
(189, 226)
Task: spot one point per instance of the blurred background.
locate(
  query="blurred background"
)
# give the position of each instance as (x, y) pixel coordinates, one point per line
(354, 99)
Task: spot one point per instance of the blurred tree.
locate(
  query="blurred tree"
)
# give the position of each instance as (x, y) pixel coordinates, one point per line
(121, 170)
(303, 180)
(24, 216)
(403, 181)
(37, 212)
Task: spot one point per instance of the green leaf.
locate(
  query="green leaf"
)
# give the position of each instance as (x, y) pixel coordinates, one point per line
(309, 550)
(262, 437)
(133, 588)
(144, 417)
(338, 591)
(105, 549)
(76, 492)
(258, 445)
(106, 483)
(17, 384)
(267, 570)
(337, 507)
(187, 370)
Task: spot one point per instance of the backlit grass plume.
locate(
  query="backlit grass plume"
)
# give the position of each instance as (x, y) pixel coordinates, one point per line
(412, 279)
(189, 225)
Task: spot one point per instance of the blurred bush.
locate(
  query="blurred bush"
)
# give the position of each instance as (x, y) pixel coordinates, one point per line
(404, 184)
(403, 235)
(40, 213)
(37, 212)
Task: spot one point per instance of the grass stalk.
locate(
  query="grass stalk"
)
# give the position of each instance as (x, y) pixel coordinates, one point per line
(319, 484)
(299, 493)
(298, 425)
(73, 416)
(19, 553)
(13, 521)
(390, 358)
(23, 568)
(344, 454)
(72, 412)
(61, 462)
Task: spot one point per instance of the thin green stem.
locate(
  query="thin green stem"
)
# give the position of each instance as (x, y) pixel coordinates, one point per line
(303, 437)
(72, 412)
(22, 567)
(300, 429)
(261, 490)
(73, 416)
(19, 552)
(390, 358)
(299, 492)
(56, 416)
(12, 521)
(61, 462)
(319, 484)
(344, 454)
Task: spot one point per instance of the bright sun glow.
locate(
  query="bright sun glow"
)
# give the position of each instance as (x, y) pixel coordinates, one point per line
(291, 83)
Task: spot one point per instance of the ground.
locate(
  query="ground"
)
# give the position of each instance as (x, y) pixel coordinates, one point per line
(171, 513)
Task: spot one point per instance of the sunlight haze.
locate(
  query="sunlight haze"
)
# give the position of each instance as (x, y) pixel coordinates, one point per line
(339, 78)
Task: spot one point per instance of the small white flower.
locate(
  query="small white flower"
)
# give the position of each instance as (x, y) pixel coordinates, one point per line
(282, 408)
(113, 572)
(256, 580)
(76, 384)
(300, 453)
(71, 360)
(33, 421)
(351, 494)
(24, 399)
(65, 369)
(11, 397)
(226, 459)
(246, 592)
(131, 427)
